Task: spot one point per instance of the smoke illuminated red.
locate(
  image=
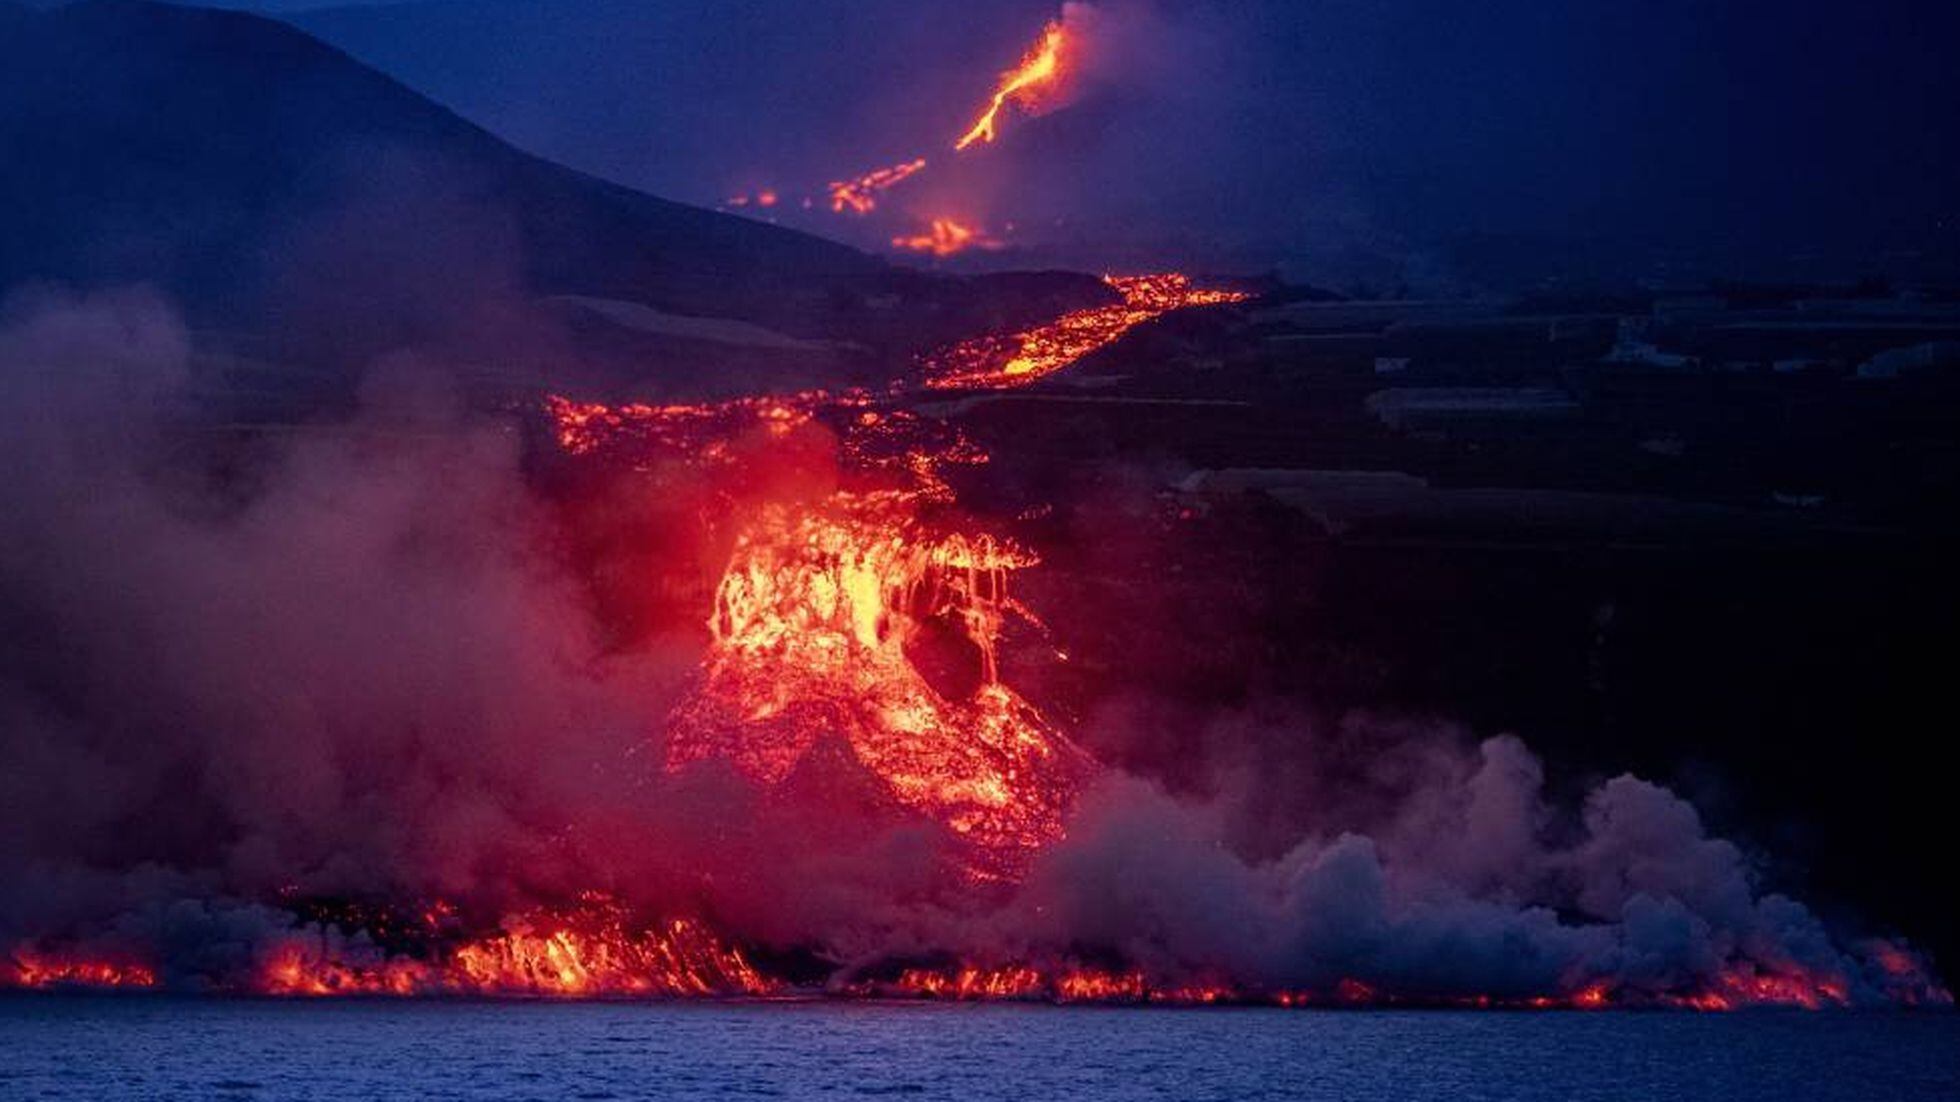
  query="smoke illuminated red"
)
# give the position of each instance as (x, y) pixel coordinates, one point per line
(826, 599)
(945, 238)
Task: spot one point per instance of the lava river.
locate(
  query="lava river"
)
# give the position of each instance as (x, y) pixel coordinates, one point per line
(812, 663)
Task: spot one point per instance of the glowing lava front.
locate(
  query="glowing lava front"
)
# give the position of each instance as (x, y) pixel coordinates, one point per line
(996, 362)
(820, 615)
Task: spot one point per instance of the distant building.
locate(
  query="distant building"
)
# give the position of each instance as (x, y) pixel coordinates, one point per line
(1640, 353)
(1931, 356)
(1685, 307)
(1425, 409)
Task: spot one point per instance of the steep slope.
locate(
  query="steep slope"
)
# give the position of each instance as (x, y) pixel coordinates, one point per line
(258, 176)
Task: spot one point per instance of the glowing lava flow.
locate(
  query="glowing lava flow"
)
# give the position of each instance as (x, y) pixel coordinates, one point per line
(820, 615)
(702, 430)
(588, 953)
(945, 238)
(814, 623)
(823, 608)
(1040, 69)
(996, 362)
(823, 604)
(860, 195)
(1737, 988)
(591, 952)
(1064, 985)
(33, 970)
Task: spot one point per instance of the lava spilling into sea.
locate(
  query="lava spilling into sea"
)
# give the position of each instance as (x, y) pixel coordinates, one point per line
(853, 646)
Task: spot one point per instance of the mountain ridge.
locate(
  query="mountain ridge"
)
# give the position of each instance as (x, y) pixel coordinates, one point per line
(252, 172)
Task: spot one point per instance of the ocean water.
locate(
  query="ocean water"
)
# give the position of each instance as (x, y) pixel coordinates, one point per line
(160, 1047)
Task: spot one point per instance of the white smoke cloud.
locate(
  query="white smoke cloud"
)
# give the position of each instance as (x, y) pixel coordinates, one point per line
(1469, 891)
(358, 662)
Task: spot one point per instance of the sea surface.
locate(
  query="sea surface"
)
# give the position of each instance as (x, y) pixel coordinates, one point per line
(81, 1047)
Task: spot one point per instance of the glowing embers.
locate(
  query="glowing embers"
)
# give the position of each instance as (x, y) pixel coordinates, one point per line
(36, 970)
(1070, 985)
(907, 450)
(860, 195)
(816, 622)
(1735, 989)
(1742, 987)
(946, 238)
(588, 952)
(892, 447)
(996, 362)
(1039, 71)
(700, 430)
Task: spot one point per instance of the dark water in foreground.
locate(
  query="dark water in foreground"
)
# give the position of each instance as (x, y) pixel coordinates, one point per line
(144, 1047)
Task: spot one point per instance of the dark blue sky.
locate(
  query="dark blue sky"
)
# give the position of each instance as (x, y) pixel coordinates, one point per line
(1431, 139)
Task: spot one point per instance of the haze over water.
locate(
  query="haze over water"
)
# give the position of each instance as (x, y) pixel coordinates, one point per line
(162, 1047)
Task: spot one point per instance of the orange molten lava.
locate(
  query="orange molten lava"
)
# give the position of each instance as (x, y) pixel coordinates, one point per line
(815, 621)
(823, 604)
(993, 362)
(1736, 989)
(946, 238)
(34, 970)
(1065, 985)
(1068, 985)
(1038, 72)
(1092, 985)
(820, 615)
(1744, 986)
(589, 953)
(814, 661)
(1026, 86)
(702, 430)
(860, 196)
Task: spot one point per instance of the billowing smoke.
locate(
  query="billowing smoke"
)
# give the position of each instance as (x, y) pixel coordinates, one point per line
(350, 662)
(1469, 884)
(367, 660)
